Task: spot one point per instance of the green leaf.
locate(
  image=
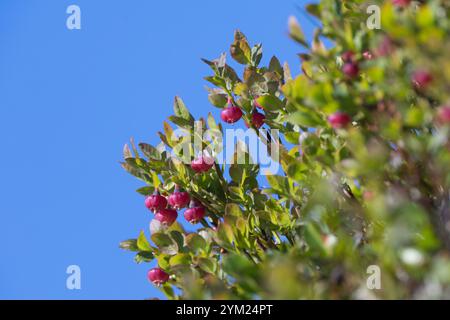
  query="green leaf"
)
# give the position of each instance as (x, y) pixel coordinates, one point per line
(183, 123)
(236, 172)
(275, 66)
(313, 9)
(168, 291)
(414, 117)
(241, 89)
(169, 134)
(195, 242)
(212, 124)
(270, 103)
(306, 119)
(295, 171)
(240, 49)
(236, 264)
(163, 261)
(144, 256)
(279, 183)
(178, 238)
(135, 171)
(161, 239)
(127, 152)
(207, 264)
(165, 243)
(424, 16)
(297, 89)
(241, 268)
(256, 55)
(145, 191)
(142, 242)
(236, 193)
(311, 144)
(176, 226)
(287, 72)
(217, 81)
(292, 137)
(218, 100)
(180, 258)
(149, 151)
(130, 244)
(164, 139)
(295, 31)
(225, 234)
(181, 111)
(318, 47)
(232, 209)
(155, 180)
(314, 240)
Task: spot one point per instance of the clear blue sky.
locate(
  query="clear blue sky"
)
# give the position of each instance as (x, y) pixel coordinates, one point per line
(69, 100)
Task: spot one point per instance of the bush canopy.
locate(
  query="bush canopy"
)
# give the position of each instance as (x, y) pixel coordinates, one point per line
(362, 192)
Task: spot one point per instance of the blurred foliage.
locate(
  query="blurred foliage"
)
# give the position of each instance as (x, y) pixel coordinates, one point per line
(374, 193)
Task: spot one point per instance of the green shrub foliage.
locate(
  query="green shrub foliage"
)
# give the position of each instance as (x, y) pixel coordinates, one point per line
(364, 151)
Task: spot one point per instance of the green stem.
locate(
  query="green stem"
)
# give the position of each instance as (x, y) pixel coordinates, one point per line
(222, 179)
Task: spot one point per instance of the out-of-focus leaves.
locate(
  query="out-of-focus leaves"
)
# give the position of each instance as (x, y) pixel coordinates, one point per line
(296, 32)
(207, 265)
(314, 240)
(305, 119)
(241, 268)
(313, 9)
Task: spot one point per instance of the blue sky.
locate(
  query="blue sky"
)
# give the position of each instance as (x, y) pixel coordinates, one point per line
(69, 100)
